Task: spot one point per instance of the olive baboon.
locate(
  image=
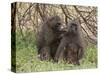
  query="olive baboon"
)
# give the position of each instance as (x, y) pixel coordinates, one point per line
(49, 37)
(71, 47)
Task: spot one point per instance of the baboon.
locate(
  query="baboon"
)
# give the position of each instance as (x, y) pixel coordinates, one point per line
(45, 54)
(49, 37)
(71, 45)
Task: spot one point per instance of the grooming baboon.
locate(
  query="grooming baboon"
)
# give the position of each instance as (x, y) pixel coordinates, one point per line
(71, 47)
(49, 36)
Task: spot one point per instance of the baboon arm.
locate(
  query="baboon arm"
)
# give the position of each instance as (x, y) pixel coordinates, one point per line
(80, 53)
(60, 50)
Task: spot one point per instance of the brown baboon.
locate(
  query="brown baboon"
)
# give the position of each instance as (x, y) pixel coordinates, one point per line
(71, 47)
(49, 36)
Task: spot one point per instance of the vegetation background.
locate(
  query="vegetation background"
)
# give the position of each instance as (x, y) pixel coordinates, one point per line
(26, 21)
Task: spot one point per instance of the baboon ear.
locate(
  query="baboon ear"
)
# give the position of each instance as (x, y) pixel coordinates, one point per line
(48, 22)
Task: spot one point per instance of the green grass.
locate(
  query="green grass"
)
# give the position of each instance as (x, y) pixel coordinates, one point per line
(27, 60)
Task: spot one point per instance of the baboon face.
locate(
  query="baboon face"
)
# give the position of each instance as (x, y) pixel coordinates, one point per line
(73, 28)
(57, 27)
(56, 24)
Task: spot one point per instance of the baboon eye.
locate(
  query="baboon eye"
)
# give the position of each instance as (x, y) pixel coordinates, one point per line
(71, 26)
(58, 24)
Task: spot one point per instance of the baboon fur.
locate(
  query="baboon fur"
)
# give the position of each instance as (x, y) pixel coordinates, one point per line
(71, 45)
(49, 37)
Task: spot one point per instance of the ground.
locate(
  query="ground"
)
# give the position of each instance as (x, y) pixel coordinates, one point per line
(27, 60)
